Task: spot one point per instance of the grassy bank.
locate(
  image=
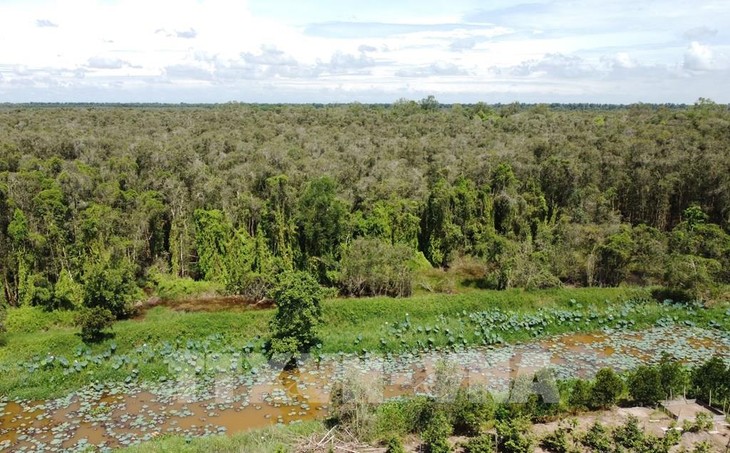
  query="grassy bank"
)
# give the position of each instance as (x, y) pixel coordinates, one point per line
(267, 440)
(139, 347)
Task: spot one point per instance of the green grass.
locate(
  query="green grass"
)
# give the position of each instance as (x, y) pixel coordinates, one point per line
(267, 440)
(173, 288)
(350, 325)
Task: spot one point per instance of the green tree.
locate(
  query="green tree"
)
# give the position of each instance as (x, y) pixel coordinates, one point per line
(298, 314)
(212, 233)
(645, 385)
(674, 377)
(580, 395)
(614, 257)
(629, 435)
(597, 439)
(710, 380)
(109, 283)
(322, 227)
(606, 389)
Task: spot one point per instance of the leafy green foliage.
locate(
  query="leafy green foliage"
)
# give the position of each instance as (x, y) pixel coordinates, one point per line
(437, 433)
(629, 435)
(109, 283)
(597, 439)
(559, 441)
(514, 435)
(394, 444)
(371, 267)
(606, 389)
(710, 381)
(471, 409)
(580, 395)
(645, 386)
(93, 321)
(480, 444)
(298, 313)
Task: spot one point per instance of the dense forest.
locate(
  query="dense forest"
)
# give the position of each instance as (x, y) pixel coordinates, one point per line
(98, 202)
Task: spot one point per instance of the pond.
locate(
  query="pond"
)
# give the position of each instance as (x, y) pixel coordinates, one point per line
(225, 401)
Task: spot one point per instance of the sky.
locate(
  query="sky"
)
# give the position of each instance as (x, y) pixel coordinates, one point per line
(369, 51)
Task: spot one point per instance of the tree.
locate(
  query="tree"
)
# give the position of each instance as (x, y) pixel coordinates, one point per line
(597, 439)
(607, 388)
(629, 435)
(298, 314)
(674, 377)
(109, 284)
(614, 256)
(322, 227)
(645, 385)
(710, 380)
(580, 395)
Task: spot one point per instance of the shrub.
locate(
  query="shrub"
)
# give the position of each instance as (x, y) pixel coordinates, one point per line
(597, 439)
(580, 395)
(93, 321)
(374, 267)
(352, 404)
(436, 435)
(480, 444)
(109, 284)
(558, 441)
(514, 435)
(629, 435)
(645, 386)
(471, 409)
(702, 447)
(703, 422)
(606, 389)
(394, 445)
(298, 314)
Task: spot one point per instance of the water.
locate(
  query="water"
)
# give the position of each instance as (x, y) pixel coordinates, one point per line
(123, 414)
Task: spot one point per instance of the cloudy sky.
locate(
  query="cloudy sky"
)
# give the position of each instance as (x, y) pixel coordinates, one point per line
(616, 51)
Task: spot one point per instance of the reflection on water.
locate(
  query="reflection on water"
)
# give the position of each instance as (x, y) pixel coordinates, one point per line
(192, 406)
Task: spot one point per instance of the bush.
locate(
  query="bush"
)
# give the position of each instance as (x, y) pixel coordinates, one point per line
(606, 389)
(629, 435)
(372, 267)
(93, 321)
(580, 395)
(110, 284)
(514, 435)
(558, 441)
(394, 445)
(168, 287)
(352, 404)
(645, 386)
(597, 439)
(480, 444)
(436, 435)
(472, 408)
(703, 422)
(298, 314)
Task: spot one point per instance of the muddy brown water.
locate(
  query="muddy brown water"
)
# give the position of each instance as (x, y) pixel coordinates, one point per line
(122, 417)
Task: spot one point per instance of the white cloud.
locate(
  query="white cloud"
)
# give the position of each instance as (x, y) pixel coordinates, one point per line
(258, 50)
(698, 57)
